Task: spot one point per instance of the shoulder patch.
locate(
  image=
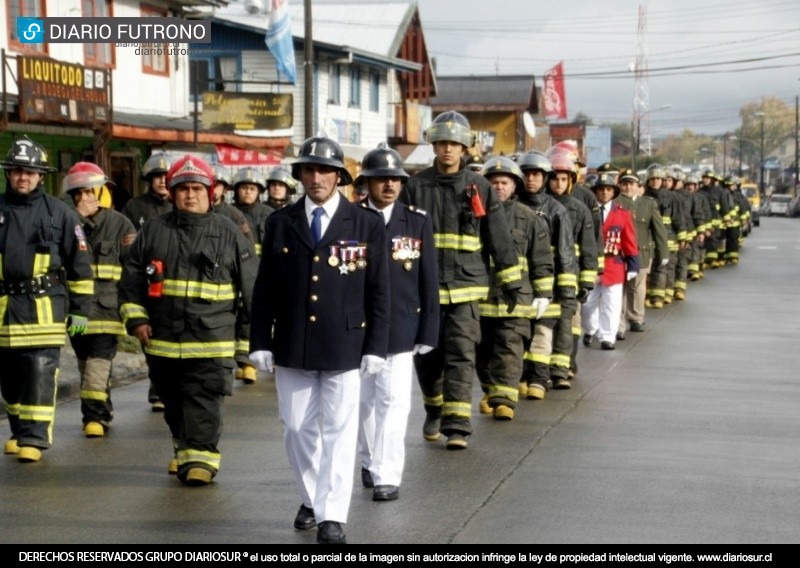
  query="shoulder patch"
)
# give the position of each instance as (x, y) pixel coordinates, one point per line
(417, 210)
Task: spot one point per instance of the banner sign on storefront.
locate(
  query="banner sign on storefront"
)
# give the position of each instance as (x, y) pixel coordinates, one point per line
(56, 91)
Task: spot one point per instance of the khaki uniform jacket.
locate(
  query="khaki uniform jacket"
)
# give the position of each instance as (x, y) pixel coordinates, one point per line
(651, 235)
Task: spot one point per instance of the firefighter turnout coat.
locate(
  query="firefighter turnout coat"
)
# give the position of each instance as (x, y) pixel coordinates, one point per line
(45, 270)
(199, 265)
(110, 235)
(466, 215)
(146, 206)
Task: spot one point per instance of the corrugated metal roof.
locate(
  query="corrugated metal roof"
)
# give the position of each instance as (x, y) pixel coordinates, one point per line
(515, 91)
(374, 28)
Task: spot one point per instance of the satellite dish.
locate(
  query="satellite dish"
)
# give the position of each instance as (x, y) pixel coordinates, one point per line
(527, 122)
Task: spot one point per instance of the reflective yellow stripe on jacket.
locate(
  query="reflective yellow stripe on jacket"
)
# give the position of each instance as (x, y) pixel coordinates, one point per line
(107, 271)
(202, 290)
(463, 295)
(457, 242)
(190, 349)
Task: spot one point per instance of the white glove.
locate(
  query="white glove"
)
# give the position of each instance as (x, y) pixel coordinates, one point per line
(421, 349)
(540, 306)
(664, 261)
(631, 275)
(371, 365)
(262, 360)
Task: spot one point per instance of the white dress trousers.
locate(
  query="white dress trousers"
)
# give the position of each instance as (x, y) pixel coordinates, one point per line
(601, 312)
(383, 417)
(319, 413)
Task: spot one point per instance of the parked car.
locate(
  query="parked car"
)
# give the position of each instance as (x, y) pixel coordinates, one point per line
(755, 216)
(778, 204)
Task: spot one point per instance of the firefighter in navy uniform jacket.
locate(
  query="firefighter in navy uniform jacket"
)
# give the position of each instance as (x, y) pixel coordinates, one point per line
(414, 277)
(321, 311)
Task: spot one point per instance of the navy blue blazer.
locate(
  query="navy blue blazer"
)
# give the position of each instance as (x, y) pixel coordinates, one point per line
(308, 308)
(414, 282)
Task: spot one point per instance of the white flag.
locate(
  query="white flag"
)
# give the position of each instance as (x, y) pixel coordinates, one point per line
(279, 39)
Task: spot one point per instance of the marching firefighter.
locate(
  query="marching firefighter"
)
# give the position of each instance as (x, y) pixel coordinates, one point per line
(469, 227)
(536, 168)
(154, 202)
(179, 297)
(718, 208)
(247, 189)
(567, 330)
(281, 187)
(223, 184)
(245, 371)
(503, 334)
(45, 282)
(673, 217)
(701, 211)
(109, 235)
(733, 230)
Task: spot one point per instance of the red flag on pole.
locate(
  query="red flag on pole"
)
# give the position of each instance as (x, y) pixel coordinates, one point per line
(555, 101)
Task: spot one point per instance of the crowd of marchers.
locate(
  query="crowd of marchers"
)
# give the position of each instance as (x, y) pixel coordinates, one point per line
(497, 269)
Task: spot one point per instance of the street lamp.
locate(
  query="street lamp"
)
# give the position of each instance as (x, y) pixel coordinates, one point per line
(761, 189)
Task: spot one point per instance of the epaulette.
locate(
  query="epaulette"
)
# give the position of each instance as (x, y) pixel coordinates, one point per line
(417, 210)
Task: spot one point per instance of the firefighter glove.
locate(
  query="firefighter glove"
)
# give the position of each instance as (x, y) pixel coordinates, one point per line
(582, 295)
(539, 306)
(263, 360)
(371, 365)
(512, 299)
(421, 349)
(76, 324)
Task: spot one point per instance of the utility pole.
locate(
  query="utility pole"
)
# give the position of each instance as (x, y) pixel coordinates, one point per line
(761, 175)
(796, 144)
(308, 68)
(641, 94)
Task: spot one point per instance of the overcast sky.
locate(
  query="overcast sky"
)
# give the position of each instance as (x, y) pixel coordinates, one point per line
(705, 58)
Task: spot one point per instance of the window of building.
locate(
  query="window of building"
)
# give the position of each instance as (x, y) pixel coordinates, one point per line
(213, 74)
(24, 9)
(155, 56)
(97, 54)
(355, 86)
(334, 86)
(374, 91)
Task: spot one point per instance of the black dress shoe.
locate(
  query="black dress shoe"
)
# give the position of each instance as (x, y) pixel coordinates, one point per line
(385, 493)
(330, 532)
(366, 478)
(305, 519)
(621, 336)
(587, 340)
(607, 346)
(636, 326)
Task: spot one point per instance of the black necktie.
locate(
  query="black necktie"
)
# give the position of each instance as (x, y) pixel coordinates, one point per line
(602, 214)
